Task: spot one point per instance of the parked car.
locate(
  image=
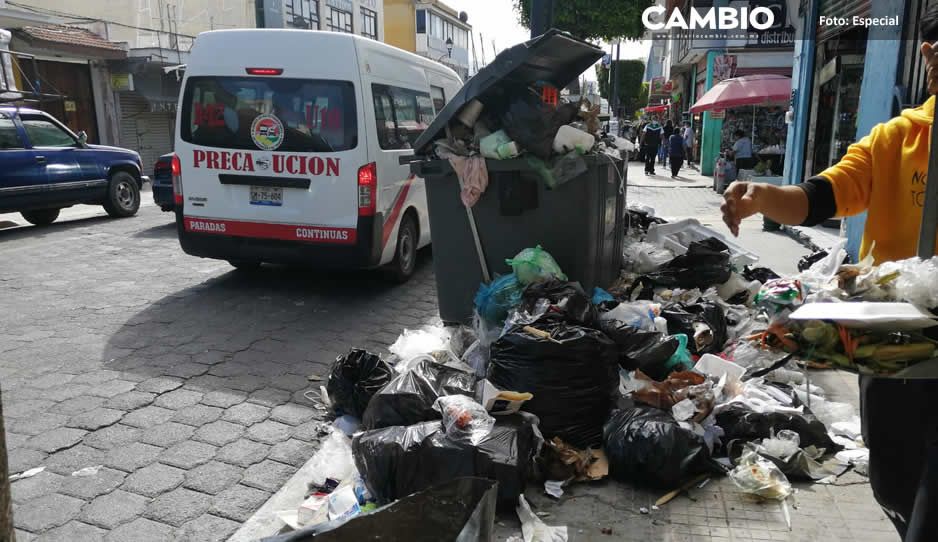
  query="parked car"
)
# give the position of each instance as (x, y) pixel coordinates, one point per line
(44, 167)
(163, 181)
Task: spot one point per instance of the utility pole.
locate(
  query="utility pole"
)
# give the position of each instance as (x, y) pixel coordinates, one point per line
(615, 85)
(542, 16)
(482, 47)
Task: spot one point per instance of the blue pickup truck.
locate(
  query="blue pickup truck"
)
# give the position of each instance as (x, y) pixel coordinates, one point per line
(44, 167)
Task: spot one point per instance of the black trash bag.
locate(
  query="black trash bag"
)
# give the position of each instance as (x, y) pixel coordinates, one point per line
(531, 124)
(639, 349)
(704, 323)
(739, 422)
(762, 274)
(354, 379)
(572, 375)
(398, 461)
(409, 397)
(639, 220)
(461, 509)
(645, 445)
(706, 263)
(566, 298)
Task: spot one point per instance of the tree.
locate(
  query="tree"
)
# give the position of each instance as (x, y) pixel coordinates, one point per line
(607, 20)
(642, 99)
(630, 75)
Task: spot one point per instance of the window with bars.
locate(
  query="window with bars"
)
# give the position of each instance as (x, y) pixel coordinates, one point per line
(301, 14)
(369, 23)
(340, 21)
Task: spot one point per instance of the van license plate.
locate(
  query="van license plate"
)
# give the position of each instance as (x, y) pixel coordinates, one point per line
(267, 195)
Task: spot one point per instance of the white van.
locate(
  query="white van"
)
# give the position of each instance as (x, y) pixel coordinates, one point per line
(287, 148)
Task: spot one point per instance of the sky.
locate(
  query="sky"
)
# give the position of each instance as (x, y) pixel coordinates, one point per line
(498, 21)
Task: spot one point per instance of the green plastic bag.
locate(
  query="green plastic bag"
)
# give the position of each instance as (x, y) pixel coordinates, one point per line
(681, 359)
(535, 265)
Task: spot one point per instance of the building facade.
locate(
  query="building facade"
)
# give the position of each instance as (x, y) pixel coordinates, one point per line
(696, 62)
(431, 29)
(362, 17)
(133, 92)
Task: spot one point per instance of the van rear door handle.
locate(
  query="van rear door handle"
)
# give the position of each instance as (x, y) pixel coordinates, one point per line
(41, 159)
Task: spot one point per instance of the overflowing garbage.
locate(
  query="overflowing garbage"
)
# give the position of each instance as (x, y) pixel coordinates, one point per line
(684, 369)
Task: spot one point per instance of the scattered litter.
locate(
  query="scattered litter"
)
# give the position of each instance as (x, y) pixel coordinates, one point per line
(607, 530)
(534, 529)
(554, 488)
(499, 402)
(26, 474)
(333, 460)
(314, 378)
(759, 476)
(88, 471)
(643, 510)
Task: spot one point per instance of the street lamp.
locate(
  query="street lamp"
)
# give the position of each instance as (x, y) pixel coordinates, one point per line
(449, 50)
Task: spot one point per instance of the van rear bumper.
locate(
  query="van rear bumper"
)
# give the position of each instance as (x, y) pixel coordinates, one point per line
(365, 253)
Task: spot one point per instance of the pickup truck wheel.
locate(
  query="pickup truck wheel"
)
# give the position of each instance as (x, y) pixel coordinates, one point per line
(123, 195)
(405, 256)
(41, 217)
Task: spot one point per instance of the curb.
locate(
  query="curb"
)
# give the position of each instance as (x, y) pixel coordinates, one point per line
(801, 238)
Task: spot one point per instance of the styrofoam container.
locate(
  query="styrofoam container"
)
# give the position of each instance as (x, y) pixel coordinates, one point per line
(716, 366)
(677, 237)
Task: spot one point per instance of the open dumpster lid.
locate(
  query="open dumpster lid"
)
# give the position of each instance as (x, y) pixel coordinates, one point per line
(554, 57)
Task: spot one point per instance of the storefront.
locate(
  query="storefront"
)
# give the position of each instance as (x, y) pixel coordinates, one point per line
(835, 101)
(147, 97)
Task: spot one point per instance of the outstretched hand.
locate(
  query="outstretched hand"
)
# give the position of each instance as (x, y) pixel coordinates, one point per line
(738, 203)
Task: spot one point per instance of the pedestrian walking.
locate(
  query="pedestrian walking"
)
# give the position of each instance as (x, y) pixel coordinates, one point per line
(900, 421)
(651, 141)
(676, 153)
(688, 143)
(666, 134)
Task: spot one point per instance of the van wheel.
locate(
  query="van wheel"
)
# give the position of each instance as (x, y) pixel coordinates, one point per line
(405, 255)
(41, 217)
(123, 195)
(245, 265)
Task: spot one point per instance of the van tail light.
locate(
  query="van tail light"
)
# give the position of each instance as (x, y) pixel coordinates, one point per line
(367, 189)
(177, 180)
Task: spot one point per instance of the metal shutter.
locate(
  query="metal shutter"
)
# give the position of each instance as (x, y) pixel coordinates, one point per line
(841, 8)
(148, 133)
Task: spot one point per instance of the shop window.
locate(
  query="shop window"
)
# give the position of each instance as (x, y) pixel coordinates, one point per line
(421, 21)
(44, 133)
(340, 21)
(369, 23)
(402, 114)
(9, 138)
(302, 14)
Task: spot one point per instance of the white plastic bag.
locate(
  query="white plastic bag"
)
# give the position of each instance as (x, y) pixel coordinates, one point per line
(333, 460)
(638, 314)
(783, 445)
(643, 257)
(413, 343)
(535, 530)
(916, 281)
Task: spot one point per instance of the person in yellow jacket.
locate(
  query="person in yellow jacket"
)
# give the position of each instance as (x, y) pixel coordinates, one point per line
(884, 174)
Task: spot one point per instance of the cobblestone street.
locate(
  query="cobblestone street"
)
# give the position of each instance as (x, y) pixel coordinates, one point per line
(184, 379)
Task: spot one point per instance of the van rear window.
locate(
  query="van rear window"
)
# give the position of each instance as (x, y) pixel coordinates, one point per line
(270, 113)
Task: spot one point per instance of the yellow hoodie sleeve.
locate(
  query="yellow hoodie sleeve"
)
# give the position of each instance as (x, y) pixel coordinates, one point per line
(852, 177)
